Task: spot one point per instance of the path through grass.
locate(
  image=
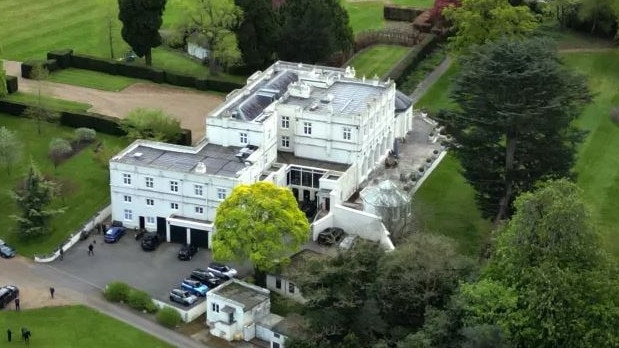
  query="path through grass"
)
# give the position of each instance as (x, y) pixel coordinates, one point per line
(84, 183)
(377, 59)
(74, 326)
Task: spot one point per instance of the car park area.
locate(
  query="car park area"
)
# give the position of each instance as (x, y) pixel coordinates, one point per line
(157, 272)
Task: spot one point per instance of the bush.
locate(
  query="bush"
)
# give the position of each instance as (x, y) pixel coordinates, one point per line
(11, 84)
(168, 317)
(614, 115)
(85, 135)
(117, 292)
(151, 124)
(140, 300)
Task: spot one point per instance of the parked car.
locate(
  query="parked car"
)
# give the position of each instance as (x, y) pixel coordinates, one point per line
(7, 251)
(183, 297)
(207, 278)
(222, 271)
(113, 234)
(8, 294)
(150, 242)
(186, 252)
(330, 236)
(195, 287)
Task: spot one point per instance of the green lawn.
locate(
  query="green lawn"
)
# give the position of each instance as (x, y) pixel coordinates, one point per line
(92, 79)
(598, 163)
(74, 326)
(437, 96)
(84, 183)
(414, 3)
(365, 15)
(53, 103)
(377, 59)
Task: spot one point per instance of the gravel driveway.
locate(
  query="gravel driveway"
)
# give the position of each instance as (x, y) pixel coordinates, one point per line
(188, 106)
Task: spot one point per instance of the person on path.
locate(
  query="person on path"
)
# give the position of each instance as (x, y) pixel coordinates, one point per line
(52, 291)
(91, 249)
(61, 254)
(17, 304)
(9, 334)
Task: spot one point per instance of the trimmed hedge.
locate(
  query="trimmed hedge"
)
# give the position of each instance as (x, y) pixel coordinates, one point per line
(400, 13)
(413, 57)
(117, 292)
(86, 62)
(204, 84)
(141, 300)
(168, 317)
(12, 108)
(100, 123)
(63, 57)
(180, 80)
(11, 84)
(26, 67)
(140, 72)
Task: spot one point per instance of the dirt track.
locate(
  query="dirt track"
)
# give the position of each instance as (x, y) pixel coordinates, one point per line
(190, 107)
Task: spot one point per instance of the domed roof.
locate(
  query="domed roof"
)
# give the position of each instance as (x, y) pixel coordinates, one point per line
(385, 194)
(402, 101)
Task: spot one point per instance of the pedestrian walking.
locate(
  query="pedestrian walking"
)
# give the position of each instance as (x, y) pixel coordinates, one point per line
(61, 254)
(52, 291)
(17, 304)
(25, 335)
(91, 250)
(9, 334)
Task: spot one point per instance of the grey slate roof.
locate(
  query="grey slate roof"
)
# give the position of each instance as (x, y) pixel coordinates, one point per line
(402, 101)
(217, 159)
(348, 97)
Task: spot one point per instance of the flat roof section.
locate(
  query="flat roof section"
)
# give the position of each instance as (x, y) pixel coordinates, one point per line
(245, 295)
(345, 97)
(218, 160)
(290, 158)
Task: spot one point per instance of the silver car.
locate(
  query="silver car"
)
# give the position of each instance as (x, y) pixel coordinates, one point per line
(183, 297)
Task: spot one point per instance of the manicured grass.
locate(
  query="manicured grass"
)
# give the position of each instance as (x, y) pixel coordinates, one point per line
(365, 15)
(92, 79)
(84, 183)
(74, 326)
(437, 96)
(598, 163)
(445, 204)
(53, 103)
(414, 3)
(377, 60)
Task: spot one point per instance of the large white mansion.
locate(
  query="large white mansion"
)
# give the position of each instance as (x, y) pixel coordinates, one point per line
(317, 130)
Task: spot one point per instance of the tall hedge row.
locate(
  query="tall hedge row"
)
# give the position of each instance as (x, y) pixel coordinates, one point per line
(400, 13)
(27, 66)
(413, 57)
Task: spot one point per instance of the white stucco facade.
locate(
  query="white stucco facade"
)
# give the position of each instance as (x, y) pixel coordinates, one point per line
(317, 130)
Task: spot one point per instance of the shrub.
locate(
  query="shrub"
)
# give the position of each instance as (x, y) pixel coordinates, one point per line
(614, 115)
(428, 160)
(59, 149)
(11, 84)
(117, 292)
(151, 124)
(85, 135)
(140, 300)
(421, 169)
(168, 317)
(62, 57)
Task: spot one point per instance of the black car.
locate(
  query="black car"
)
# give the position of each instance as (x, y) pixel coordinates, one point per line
(6, 251)
(330, 236)
(207, 278)
(186, 252)
(150, 242)
(8, 294)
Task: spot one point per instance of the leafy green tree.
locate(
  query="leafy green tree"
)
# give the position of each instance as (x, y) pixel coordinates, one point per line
(3, 89)
(261, 223)
(313, 30)
(422, 272)
(215, 21)
(514, 122)
(151, 124)
(600, 13)
(59, 149)
(10, 149)
(258, 33)
(479, 21)
(33, 200)
(551, 256)
(141, 23)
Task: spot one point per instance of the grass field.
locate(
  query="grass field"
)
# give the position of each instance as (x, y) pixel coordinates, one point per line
(365, 15)
(377, 59)
(598, 163)
(414, 3)
(53, 103)
(74, 326)
(92, 79)
(83, 182)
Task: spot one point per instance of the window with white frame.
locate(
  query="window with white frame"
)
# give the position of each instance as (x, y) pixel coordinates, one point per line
(127, 179)
(150, 202)
(243, 137)
(285, 122)
(128, 214)
(285, 141)
(199, 210)
(347, 133)
(150, 220)
(174, 206)
(174, 186)
(150, 182)
(307, 128)
(222, 193)
(198, 190)
(127, 199)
